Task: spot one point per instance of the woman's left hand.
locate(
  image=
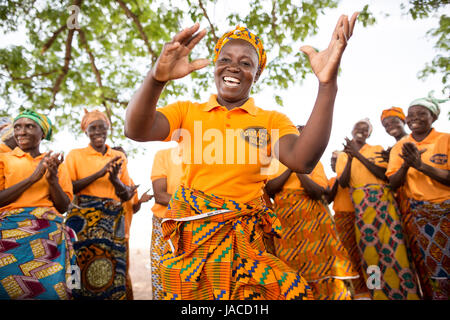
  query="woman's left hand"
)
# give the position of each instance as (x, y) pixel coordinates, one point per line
(325, 63)
(411, 155)
(114, 169)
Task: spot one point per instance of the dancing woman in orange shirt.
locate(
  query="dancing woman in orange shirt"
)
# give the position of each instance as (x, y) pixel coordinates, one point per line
(379, 234)
(36, 253)
(101, 183)
(419, 163)
(216, 219)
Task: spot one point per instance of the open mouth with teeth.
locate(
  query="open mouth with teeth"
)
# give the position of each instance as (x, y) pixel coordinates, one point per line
(231, 82)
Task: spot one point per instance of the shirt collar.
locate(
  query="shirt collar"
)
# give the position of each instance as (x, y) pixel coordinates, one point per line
(95, 152)
(20, 153)
(248, 106)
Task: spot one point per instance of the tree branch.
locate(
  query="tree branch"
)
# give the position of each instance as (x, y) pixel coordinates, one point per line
(50, 41)
(200, 3)
(274, 21)
(65, 68)
(138, 24)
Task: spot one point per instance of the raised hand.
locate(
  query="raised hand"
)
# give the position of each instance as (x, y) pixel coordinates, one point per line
(411, 155)
(173, 63)
(325, 64)
(114, 169)
(384, 155)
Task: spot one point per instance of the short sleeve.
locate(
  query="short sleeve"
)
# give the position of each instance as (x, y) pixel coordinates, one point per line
(65, 181)
(340, 163)
(159, 168)
(395, 161)
(175, 113)
(281, 126)
(124, 176)
(70, 165)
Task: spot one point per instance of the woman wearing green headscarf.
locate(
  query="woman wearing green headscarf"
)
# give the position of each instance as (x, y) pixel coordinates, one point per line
(36, 254)
(419, 163)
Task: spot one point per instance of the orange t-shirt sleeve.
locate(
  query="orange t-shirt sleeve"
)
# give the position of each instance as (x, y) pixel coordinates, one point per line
(395, 161)
(175, 114)
(65, 181)
(340, 163)
(70, 165)
(124, 176)
(284, 126)
(2, 174)
(159, 168)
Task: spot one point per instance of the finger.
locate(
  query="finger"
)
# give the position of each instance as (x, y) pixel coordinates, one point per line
(346, 27)
(309, 51)
(353, 22)
(423, 150)
(185, 34)
(342, 37)
(199, 64)
(192, 42)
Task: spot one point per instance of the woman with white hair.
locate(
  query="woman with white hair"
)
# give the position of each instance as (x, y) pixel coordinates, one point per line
(378, 230)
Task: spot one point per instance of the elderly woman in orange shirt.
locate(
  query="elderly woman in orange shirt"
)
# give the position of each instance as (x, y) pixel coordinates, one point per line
(379, 234)
(101, 184)
(36, 254)
(419, 163)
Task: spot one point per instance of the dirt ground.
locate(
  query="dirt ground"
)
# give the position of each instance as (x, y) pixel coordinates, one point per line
(140, 274)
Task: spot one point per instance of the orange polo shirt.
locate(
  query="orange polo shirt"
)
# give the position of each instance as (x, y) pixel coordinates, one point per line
(293, 182)
(225, 151)
(342, 201)
(84, 162)
(419, 186)
(166, 164)
(16, 166)
(4, 148)
(360, 175)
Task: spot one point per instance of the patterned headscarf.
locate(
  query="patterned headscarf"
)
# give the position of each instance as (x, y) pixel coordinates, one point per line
(6, 128)
(393, 112)
(243, 34)
(430, 103)
(41, 119)
(366, 120)
(93, 116)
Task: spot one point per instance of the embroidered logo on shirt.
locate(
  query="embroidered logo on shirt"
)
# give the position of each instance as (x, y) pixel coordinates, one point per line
(439, 158)
(256, 136)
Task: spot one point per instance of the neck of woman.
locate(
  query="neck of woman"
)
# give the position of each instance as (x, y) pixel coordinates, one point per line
(230, 105)
(420, 136)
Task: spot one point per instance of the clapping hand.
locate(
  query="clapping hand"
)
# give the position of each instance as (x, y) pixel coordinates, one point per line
(411, 155)
(350, 148)
(325, 64)
(52, 162)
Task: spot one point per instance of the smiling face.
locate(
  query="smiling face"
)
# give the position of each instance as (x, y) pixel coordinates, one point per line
(28, 134)
(419, 119)
(394, 126)
(360, 132)
(235, 72)
(97, 132)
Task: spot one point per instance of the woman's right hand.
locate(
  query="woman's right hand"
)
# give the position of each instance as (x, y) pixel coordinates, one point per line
(173, 62)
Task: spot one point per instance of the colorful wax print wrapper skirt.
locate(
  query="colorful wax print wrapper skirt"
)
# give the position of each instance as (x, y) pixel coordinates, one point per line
(382, 244)
(37, 260)
(432, 226)
(217, 252)
(309, 244)
(156, 252)
(101, 248)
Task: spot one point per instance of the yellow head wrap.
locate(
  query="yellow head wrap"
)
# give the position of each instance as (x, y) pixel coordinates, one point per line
(93, 116)
(393, 112)
(243, 34)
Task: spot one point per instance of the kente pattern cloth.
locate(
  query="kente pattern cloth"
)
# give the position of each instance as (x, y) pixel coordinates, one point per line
(309, 244)
(101, 248)
(156, 252)
(411, 234)
(433, 225)
(217, 251)
(381, 244)
(36, 255)
(345, 227)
